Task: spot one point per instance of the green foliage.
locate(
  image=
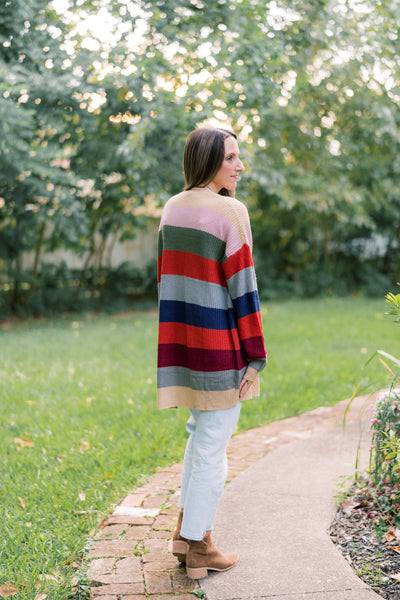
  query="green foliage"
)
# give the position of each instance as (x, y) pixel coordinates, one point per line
(38, 107)
(59, 289)
(373, 574)
(393, 300)
(385, 450)
(385, 464)
(92, 128)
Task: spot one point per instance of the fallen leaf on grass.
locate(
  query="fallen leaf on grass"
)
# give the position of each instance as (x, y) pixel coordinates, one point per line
(396, 577)
(22, 502)
(23, 442)
(40, 584)
(395, 549)
(7, 590)
(83, 446)
(46, 577)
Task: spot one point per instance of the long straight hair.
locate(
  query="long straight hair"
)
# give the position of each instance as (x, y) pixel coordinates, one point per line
(203, 156)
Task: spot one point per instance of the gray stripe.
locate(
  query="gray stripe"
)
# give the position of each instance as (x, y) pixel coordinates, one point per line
(258, 364)
(242, 282)
(194, 291)
(207, 381)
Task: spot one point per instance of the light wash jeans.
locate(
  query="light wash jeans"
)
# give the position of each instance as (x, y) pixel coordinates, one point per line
(205, 468)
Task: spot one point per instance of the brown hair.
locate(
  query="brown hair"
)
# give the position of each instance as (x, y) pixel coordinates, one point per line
(203, 156)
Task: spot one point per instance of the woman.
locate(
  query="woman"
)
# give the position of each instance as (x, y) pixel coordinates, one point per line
(211, 345)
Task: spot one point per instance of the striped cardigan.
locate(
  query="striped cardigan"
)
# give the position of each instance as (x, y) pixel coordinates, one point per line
(210, 332)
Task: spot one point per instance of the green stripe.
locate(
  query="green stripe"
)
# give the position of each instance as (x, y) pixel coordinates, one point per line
(191, 240)
(160, 245)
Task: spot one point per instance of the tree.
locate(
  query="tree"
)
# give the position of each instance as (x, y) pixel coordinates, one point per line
(94, 128)
(38, 110)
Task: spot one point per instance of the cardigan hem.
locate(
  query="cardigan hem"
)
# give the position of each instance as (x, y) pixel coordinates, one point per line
(175, 396)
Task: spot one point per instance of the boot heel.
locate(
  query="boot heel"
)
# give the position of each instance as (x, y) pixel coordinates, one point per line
(196, 573)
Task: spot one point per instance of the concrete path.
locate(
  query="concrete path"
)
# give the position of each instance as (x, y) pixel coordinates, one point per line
(275, 513)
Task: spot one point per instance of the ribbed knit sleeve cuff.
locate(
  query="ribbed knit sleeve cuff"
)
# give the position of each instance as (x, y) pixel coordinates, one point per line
(254, 368)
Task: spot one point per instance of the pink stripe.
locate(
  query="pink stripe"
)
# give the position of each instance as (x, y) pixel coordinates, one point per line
(208, 220)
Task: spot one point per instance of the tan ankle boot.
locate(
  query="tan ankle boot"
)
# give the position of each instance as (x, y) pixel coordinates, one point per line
(204, 555)
(180, 546)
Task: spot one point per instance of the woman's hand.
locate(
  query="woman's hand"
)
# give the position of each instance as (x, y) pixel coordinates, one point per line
(244, 388)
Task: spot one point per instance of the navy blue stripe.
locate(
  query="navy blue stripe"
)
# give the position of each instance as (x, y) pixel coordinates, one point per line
(173, 311)
(247, 304)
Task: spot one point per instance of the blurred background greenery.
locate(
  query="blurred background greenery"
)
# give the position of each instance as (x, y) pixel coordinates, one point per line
(97, 99)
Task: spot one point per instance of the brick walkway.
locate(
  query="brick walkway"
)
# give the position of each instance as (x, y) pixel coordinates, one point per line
(129, 558)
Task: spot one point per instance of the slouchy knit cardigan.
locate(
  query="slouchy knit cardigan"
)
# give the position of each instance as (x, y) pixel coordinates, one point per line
(210, 331)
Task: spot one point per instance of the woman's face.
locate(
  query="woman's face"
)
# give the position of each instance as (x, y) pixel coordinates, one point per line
(228, 174)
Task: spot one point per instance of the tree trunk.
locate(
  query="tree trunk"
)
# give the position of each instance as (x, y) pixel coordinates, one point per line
(38, 249)
(15, 298)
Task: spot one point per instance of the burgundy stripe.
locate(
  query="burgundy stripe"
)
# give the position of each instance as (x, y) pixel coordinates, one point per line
(254, 347)
(198, 359)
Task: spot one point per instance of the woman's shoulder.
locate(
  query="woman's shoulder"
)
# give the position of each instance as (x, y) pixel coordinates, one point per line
(204, 198)
(234, 209)
(186, 197)
(234, 203)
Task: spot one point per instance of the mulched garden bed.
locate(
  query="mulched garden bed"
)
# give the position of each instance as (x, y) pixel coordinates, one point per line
(369, 541)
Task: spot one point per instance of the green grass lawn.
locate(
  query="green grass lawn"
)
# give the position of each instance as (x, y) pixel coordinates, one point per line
(79, 427)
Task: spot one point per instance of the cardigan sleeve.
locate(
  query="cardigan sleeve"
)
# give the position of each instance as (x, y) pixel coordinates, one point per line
(242, 286)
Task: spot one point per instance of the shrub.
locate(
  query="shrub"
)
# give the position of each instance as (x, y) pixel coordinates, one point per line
(59, 288)
(385, 450)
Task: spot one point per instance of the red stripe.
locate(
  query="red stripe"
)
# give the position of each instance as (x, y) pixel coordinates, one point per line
(250, 326)
(198, 337)
(238, 261)
(175, 262)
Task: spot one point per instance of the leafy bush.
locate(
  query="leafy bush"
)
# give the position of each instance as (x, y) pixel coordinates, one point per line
(385, 450)
(129, 281)
(59, 289)
(347, 275)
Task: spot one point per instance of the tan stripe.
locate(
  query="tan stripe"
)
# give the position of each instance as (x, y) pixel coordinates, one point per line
(172, 397)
